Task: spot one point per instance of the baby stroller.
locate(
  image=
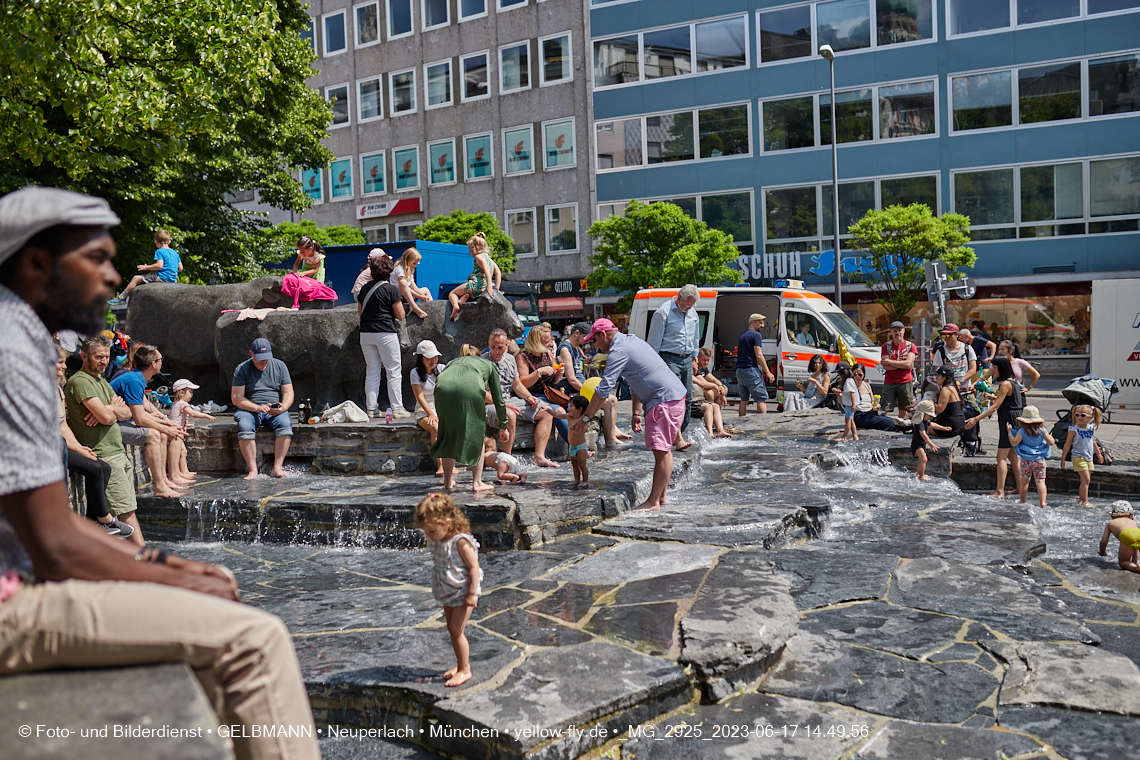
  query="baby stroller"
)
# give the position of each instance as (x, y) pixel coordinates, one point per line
(1095, 391)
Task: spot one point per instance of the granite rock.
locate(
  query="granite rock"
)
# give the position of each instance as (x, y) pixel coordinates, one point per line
(905, 739)
(637, 560)
(1066, 675)
(822, 576)
(1073, 734)
(897, 630)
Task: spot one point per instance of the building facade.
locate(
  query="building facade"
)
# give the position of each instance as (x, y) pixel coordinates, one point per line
(446, 104)
(1023, 115)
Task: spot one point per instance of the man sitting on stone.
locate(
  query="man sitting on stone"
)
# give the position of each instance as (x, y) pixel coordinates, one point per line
(570, 354)
(93, 411)
(147, 427)
(262, 392)
(520, 403)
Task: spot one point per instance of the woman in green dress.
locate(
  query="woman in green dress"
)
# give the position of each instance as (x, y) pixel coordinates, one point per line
(460, 402)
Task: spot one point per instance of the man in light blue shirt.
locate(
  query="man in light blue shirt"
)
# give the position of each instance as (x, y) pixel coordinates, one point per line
(673, 333)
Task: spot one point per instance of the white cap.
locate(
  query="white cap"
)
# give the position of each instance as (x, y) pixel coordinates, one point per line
(183, 384)
(427, 349)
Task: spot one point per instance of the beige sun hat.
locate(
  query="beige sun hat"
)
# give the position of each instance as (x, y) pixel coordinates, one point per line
(925, 407)
(1031, 415)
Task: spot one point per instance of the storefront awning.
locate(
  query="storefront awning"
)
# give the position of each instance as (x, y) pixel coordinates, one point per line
(561, 307)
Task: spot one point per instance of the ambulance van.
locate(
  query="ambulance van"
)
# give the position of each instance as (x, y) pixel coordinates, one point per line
(800, 324)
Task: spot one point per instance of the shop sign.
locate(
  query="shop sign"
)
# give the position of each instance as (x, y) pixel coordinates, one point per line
(565, 287)
(388, 208)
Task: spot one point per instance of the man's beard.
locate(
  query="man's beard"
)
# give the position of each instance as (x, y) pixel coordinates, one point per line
(62, 308)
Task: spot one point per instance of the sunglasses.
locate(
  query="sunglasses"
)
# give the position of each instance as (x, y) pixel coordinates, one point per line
(1082, 414)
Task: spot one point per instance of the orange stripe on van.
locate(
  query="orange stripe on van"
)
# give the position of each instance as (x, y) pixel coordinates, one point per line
(801, 294)
(829, 358)
(670, 293)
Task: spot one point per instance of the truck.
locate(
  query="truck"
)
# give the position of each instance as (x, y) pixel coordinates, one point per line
(1115, 350)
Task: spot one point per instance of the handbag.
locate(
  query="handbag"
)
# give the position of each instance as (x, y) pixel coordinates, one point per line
(553, 394)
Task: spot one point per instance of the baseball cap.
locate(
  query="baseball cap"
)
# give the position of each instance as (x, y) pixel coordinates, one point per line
(582, 327)
(376, 253)
(896, 323)
(427, 349)
(183, 384)
(32, 210)
(600, 325)
(949, 328)
(261, 349)
(755, 318)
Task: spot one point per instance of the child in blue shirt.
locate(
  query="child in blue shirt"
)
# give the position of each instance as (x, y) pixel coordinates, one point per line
(1033, 445)
(167, 264)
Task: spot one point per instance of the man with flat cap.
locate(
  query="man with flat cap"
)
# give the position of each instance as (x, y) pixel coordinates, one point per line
(262, 392)
(70, 595)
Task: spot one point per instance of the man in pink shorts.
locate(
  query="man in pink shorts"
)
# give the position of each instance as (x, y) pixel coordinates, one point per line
(653, 386)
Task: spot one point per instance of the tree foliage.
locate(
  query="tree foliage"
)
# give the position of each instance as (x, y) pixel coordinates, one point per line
(657, 245)
(897, 241)
(459, 226)
(162, 107)
(286, 234)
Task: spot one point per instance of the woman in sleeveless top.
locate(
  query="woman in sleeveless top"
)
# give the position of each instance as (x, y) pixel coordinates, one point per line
(951, 412)
(535, 363)
(1008, 407)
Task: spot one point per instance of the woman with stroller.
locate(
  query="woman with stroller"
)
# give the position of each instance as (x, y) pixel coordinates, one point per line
(1008, 405)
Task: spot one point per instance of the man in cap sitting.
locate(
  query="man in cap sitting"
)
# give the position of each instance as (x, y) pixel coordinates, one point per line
(262, 391)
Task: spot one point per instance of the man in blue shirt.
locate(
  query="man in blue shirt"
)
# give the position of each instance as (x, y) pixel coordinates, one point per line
(752, 367)
(148, 427)
(262, 392)
(673, 333)
(167, 264)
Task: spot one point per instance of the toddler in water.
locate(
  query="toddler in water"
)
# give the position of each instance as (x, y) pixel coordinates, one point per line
(505, 465)
(577, 441)
(180, 412)
(1123, 525)
(455, 574)
(849, 395)
(1033, 446)
(1082, 442)
(920, 436)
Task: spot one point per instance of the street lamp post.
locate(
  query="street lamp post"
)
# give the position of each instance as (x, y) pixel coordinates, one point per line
(829, 55)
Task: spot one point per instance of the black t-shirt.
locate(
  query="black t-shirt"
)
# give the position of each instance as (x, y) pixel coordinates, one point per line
(378, 315)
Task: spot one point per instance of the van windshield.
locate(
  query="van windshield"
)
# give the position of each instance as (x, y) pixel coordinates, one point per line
(852, 335)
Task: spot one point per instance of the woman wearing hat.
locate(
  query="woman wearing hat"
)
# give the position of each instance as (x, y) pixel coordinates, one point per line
(423, 377)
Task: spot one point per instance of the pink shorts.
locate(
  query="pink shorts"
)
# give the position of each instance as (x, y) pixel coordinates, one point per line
(663, 422)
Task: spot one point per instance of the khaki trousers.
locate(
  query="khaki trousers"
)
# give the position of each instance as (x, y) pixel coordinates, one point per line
(243, 657)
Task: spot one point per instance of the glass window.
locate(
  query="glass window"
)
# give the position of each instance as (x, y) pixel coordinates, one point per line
(1049, 93)
(334, 33)
(986, 197)
(372, 172)
(843, 24)
(906, 110)
(606, 210)
(510, 3)
(785, 34)
(722, 44)
(474, 76)
(373, 235)
(435, 13)
(438, 84)
(518, 150)
(618, 143)
(852, 111)
(723, 131)
(561, 229)
(399, 17)
(480, 162)
(667, 53)
(1114, 186)
(340, 171)
(1034, 11)
(311, 183)
(441, 159)
(789, 124)
(1114, 85)
(1107, 6)
(805, 330)
(514, 68)
(688, 205)
(730, 213)
(983, 100)
(367, 24)
(406, 161)
(615, 61)
(404, 92)
(338, 100)
(406, 231)
(1052, 192)
(855, 200)
(558, 139)
(908, 190)
(556, 59)
(371, 105)
(791, 213)
(471, 8)
(310, 34)
(903, 21)
(669, 137)
(520, 226)
(977, 16)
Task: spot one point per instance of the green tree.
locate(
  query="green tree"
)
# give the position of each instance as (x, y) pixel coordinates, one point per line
(459, 226)
(162, 107)
(286, 234)
(657, 245)
(897, 241)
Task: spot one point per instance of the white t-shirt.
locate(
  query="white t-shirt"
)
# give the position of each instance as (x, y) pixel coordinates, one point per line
(512, 463)
(959, 360)
(850, 392)
(428, 383)
(178, 413)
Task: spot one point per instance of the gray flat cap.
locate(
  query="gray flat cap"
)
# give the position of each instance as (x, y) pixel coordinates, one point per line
(31, 210)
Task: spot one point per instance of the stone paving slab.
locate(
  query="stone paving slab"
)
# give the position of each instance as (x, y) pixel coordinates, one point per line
(1067, 675)
(1074, 734)
(906, 739)
(823, 576)
(636, 561)
(1100, 577)
(875, 625)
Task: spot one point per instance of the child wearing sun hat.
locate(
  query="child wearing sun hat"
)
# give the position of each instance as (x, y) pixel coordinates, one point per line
(1122, 525)
(920, 441)
(1033, 445)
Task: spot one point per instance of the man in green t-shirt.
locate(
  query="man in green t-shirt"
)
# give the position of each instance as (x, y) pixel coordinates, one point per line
(93, 414)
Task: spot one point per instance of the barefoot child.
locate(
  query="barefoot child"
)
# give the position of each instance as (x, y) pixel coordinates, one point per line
(486, 277)
(920, 441)
(505, 465)
(180, 412)
(1123, 526)
(850, 395)
(455, 575)
(1082, 442)
(1033, 446)
(577, 441)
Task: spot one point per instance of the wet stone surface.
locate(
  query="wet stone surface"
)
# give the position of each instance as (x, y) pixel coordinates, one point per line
(901, 631)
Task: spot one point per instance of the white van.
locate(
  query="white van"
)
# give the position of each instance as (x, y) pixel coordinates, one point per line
(801, 324)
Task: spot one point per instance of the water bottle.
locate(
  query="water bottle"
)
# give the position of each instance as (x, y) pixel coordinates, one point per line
(302, 415)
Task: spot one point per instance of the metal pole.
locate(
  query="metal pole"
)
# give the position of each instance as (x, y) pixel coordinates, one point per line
(835, 190)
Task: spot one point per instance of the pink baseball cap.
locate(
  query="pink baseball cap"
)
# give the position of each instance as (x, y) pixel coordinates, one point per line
(600, 325)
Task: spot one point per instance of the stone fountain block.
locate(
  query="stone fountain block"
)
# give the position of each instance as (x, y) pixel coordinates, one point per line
(898, 630)
(823, 576)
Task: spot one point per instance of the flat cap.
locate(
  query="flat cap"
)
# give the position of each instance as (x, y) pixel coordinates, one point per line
(31, 210)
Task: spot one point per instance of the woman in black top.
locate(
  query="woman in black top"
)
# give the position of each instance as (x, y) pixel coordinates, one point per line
(951, 412)
(1008, 407)
(379, 308)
